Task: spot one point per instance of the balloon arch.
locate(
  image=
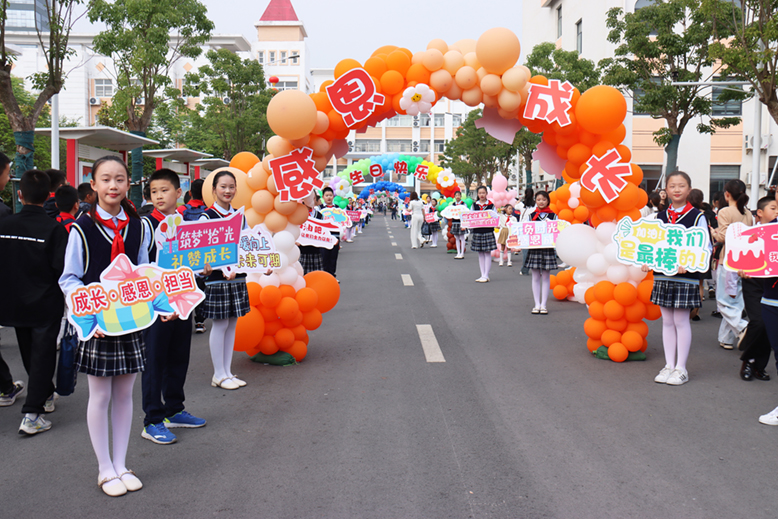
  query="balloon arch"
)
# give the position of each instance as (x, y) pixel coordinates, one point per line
(581, 143)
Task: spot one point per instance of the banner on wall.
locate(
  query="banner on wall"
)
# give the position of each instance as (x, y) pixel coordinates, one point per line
(663, 247)
(129, 298)
(535, 235)
(754, 250)
(476, 219)
(193, 244)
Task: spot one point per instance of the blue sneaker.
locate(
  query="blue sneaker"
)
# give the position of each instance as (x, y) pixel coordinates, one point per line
(183, 419)
(158, 433)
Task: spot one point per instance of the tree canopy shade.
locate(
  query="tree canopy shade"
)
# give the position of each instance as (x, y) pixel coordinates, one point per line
(23, 118)
(746, 42)
(546, 60)
(145, 38)
(665, 42)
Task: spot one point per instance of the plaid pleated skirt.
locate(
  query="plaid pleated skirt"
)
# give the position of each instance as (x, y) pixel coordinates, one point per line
(434, 227)
(111, 356)
(482, 242)
(226, 299)
(456, 228)
(311, 261)
(542, 259)
(676, 294)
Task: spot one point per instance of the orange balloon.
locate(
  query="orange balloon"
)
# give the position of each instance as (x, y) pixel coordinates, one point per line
(566, 215)
(498, 50)
(601, 109)
(610, 336)
(254, 290)
(592, 199)
(640, 327)
(564, 277)
(613, 310)
(291, 114)
(287, 291)
(635, 312)
(267, 345)
(326, 286)
(625, 294)
(552, 281)
(336, 121)
(298, 350)
(589, 296)
(579, 153)
(637, 175)
(345, 65)
(606, 213)
(299, 216)
(618, 352)
(653, 312)
(284, 338)
(295, 320)
(392, 82)
(624, 152)
(312, 319)
(593, 344)
(628, 198)
(645, 288)
(418, 73)
(262, 201)
(560, 292)
(594, 328)
(597, 310)
(616, 136)
(287, 308)
(601, 148)
(249, 330)
(322, 102)
(616, 324)
(632, 341)
(398, 61)
(244, 161)
(307, 298)
(271, 327)
(603, 291)
(268, 314)
(581, 213)
(270, 296)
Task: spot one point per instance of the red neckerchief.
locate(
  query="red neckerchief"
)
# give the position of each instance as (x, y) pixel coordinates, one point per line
(65, 217)
(195, 203)
(157, 215)
(117, 246)
(673, 216)
(482, 207)
(536, 214)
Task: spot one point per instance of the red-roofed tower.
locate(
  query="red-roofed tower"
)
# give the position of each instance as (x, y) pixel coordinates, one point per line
(281, 47)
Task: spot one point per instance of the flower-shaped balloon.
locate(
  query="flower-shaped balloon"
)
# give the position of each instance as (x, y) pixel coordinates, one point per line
(446, 178)
(342, 188)
(417, 99)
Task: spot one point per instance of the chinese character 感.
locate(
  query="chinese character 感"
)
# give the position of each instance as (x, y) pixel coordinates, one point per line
(128, 295)
(295, 174)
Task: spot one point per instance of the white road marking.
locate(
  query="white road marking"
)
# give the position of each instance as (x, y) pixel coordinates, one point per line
(429, 343)
(394, 244)
(407, 281)
(398, 256)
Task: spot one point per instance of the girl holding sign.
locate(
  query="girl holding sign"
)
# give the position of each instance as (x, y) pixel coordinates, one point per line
(540, 262)
(483, 241)
(434, 226)
(111, 363)
(678, 294)
(506, 219)
(456, 228)
(226, 298)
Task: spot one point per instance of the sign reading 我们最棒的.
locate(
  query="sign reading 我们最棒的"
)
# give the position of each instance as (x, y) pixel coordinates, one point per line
(662, 247)
(535, 235)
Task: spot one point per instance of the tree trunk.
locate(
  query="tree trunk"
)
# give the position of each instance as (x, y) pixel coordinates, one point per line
(136, 191)
(672, 157)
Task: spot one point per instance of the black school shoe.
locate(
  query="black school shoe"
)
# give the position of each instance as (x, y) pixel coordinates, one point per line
(760, 374)
(747, 371)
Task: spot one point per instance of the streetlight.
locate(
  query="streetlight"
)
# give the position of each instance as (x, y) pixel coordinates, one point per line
(757, 153)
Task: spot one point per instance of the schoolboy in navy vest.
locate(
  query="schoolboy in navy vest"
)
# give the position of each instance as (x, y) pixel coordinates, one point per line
(67, 205)
(33, 257)
(168, 340)
(329, 257)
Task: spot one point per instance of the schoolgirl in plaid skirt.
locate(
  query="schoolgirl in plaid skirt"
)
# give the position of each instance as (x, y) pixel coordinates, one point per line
(226, 298)
(456, 228)
(434, 227)
(678, 294)
(540, 262)
(482, 239)
(310, 256)
(112, 363)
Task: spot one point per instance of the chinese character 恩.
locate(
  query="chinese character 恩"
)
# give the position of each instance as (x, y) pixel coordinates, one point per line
(353, 95)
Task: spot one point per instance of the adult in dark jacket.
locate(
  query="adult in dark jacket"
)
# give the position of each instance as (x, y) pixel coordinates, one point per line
(33, 248)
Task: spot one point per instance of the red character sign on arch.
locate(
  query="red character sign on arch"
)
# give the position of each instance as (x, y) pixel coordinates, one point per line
(353, 95)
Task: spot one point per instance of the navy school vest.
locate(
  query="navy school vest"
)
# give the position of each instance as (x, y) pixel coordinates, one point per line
(97, 245)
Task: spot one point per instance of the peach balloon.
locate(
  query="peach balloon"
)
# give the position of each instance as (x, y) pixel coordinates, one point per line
(432, 60)
(498, 50)
(441, 80)
(319, 145)
(243, 190)
(491, 85)
(418, 57)
(266, 161)
(291, 114)
(481, 73)
(490, 101)
(278, 146)
(262, 201)
(507, 115)
(275, 221)
(471, 60)
(464, 46)
(453, 61)
(454, 92)
(271, 186)
(299, 216)
(321, 162)
(509, 101)
(514, 79)
(322, 123)
(244, 161)
(253, 218)
(257, 177)
(472, 96)
(299, 143)
(466, 78)
(438, 44)
(284, 208)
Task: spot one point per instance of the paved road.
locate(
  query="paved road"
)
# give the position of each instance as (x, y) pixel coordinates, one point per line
(518, 422)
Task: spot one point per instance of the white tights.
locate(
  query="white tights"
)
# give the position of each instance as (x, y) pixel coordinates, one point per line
(676, 336)
(485, 262)
(116, 391)
(222, 345)
(435, 239)
(460, 244)
(541, 283)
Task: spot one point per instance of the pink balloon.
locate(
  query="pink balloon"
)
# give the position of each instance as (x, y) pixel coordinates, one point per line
(499, 182)
(339, 148)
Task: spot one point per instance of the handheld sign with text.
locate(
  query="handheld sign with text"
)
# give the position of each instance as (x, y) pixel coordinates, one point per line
(753, 250)
(318, 233)
(337, 216)
(454, 211)
(129, 298)
(256, 252)
(476, 219)
(535, 235)
(663, 247)
(431, 217)
(354, 215)
(193, 244)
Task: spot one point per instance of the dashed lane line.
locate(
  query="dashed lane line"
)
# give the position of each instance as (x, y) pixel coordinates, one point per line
(429, 343)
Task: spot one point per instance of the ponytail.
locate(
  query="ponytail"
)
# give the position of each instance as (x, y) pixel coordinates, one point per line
(737, 191)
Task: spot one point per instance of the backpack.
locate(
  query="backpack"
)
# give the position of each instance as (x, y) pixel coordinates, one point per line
(192, 214)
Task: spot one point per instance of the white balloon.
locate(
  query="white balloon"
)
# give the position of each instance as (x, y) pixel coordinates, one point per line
(293, 254)
(300, 283)
(575, 190)
(575, 244)
(283, 260)
(579, 294)
(573, 203)
(288, 276)
(605, 232)
(600, 247)
(581, 275)
(253, 277)
(299, 268)
(618, 274)
(633, 283)
(636, 274)
(597, 264)
(271, 280)
(284, 241)
(611, 252)
(293, 229)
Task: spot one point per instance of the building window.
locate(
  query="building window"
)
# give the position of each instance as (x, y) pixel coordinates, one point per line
(103, 88)
(651, 175)
(20, 19)
(261, 57)
(285, 85)
(271, 57)
(424, 120)
(731, 107)
(329, 172)
(400, 120)
(437, 147)
(398, 146)
(440, 120)
(342, 168)
(367, 146)
(637, 95)
(643, 3)
(720, 175)
(282, 57)
(579, 36)
(457, 120)
(294, 57)
(559, 22)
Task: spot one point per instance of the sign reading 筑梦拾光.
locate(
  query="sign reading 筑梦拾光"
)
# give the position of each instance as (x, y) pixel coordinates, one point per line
(195, 244)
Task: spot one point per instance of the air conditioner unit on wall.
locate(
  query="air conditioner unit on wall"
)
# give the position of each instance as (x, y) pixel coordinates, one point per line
(94, 101)
(762, 178)
(748, 141)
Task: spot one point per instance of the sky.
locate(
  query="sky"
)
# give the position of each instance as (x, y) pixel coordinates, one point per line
(339, 29)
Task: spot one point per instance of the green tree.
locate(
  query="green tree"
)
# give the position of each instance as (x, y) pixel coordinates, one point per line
(22, 117)
(145, 38)
(746, 41)
(655, 46)
(564, 65)
(231, 116)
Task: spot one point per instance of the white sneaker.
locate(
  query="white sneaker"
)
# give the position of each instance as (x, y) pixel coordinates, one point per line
(770, 418)
(481, 280)
(509, 263)
(501, 263)
(678, 377)
(30, 426)
(49, 406)
(349, 241)
(663, 375)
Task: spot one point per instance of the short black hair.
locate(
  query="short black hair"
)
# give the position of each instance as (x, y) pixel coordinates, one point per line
(196, 189)
(187, 197)
(327, 189)
(84, 190)
(35, 186)
(147, 192)
(4, 160)
(66, 197)
(762, 203)
(56, 178)
(165, 174)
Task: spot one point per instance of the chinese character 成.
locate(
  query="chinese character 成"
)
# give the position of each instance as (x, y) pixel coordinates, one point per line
(550, 103)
